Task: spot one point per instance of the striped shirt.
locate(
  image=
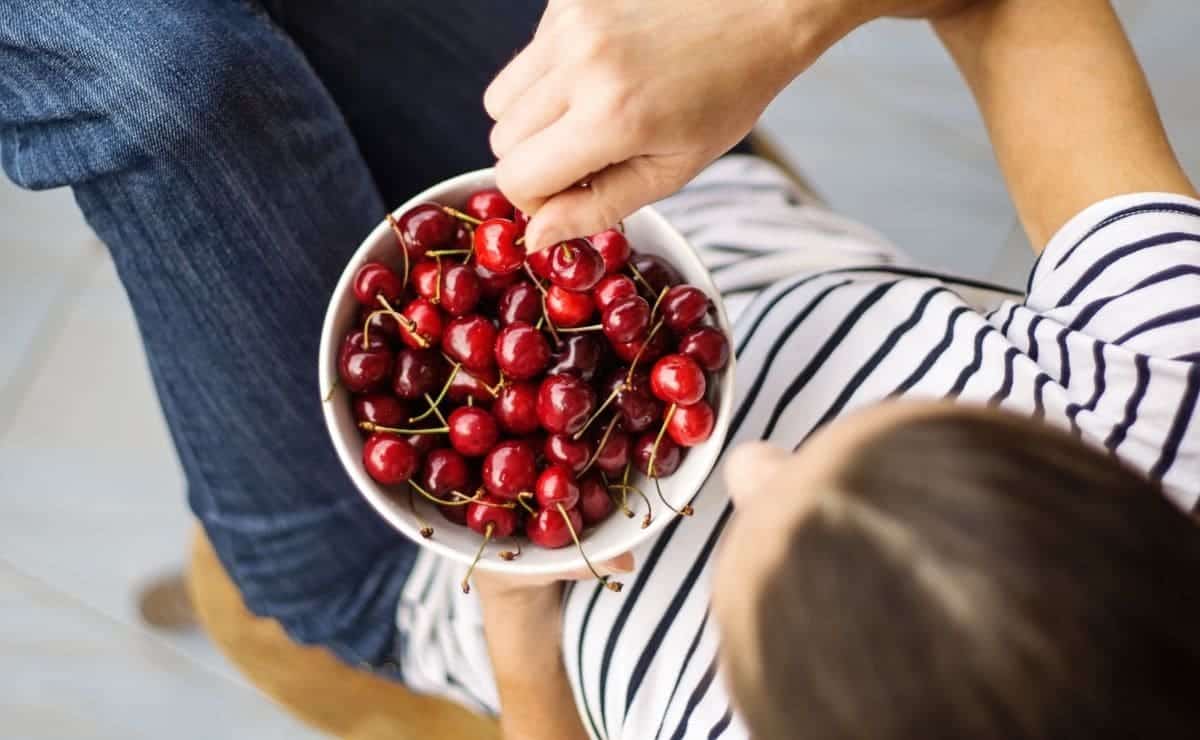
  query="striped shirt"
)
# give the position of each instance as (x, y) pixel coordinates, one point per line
(830, 317)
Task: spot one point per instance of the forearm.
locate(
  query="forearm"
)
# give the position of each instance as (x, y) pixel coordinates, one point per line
(1070, 114)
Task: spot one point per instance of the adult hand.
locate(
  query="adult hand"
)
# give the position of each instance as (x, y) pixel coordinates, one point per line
(634, 98)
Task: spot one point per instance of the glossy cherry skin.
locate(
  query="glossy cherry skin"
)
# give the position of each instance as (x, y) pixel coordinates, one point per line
(361, 369)
(666, 461)
(491, 284)
(460, 290)
(595, 505)
(496, 248)
(473, 431)
(655, 271)
(521, 301)
(417, 372)
(691, 425)
(577, 354)
(424, 276)
(638, 408)
(425, 227)
(539, 262)
(445, 471)
(556, 485)
(683, 307)
(707, 346)
(424, 443)
(488, 203)
(516, 408)
(520, 219)
(374, 279)
(567, 308)
(472, 384)
(575, 265)
(380, 323)
(614, 250)
(389, 459)
(455, 514)
(383, 409)
(548, 528)
(627, 320)
(491, 511)
(614, 454)
(564, 403)
(509, 469)
(656, 346)
(677, 379)
(471, 340)
(464, 238)
(565, 450)
(522, 352)
(428, 323)
(611, 289)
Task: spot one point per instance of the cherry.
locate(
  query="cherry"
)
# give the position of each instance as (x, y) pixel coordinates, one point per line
(521, 351)
(575, 265)
(683, 307)
(379, 323)
(707, 346)
(464, 237)
(492, 284)
(556, 485)
(638, 408)
(473, 431)
(627, 320)
(446, 472)
(549, 529)
(455, 514)
(354, 342)
(424, 443)
(424, 275)
(656, 346)
(691, 425)
(475, 384)
(565, 403)
(383, 409)
(459, 290)
(491, 510)
(516, 408)
(565, 450)
(426, 328)
(594, 502)
(613, 454)
(578, 354)
(539, 262)
(666, 460)
(425, 227)
(488, 203)
(375, 279)
(417, 372)
(521, 302)
(567, 308)
(677, 379)
(520, 219)
(364, 369)
(509, 469)
(613, 248)
(611, 289)
(389, 459)
(470, 340)
(655, 271)
(496, 248)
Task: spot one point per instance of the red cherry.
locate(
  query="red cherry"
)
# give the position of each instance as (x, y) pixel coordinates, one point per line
(383, 409)
(463, 239)
(614, 250)
(656, 347)
(455, 514)
(594, 502)
(564, 403)
(473, 431)
(460, 289)
(521, 351)
(691, 425)
(565, 450)
(577, 354)
(613, 455)
(381, 323)
(417, 372)
(666, 461)
(473, 384)
(491, 284)
(677, 379)
(548, 528)
(516, 408)
(655, 271)
(568, 308)
(425, 227)
(510, 468)
(556, 485)
(446, 471)
(427, 322)
(424, 276)
(389, 459)
(707, 346)
(353, 342)
(424, 443)
(374, 279)
(496, 248)
(489, 203)
(520, 219)
(575, 265)
(521, 302)
(627, 320)
(539, 262)
(683, 307)
(611, 289)
(638, 408)
(364, 369)
(491, 510)
(470, 340)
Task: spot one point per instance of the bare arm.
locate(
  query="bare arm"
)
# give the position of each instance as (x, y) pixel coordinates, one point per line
(1066, 103)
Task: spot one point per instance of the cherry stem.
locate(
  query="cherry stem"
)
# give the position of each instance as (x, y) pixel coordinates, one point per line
(492, 390)
(441, 394)
(368, 426)
(614, 586)
(436, 411)
(426, 530)
(400, 236)
(462, 499)
(603, 441)
(611, 397)
(406, 323)
(437, 284)
(366, 342)
(653, 472)
(580, 329)
(621, 226)
(641, 350)
(446, 252)
(657, 301)
(625, 488)
(541, 322)
(637, 275)
(509, 555)
(332, 388)
(687, 509)
(487, 535)
(461, 216)
(568, 253)
(520, 240)
(545, 315)
(521, 500)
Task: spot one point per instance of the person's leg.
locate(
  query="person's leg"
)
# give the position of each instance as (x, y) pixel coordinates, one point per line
(211, 160)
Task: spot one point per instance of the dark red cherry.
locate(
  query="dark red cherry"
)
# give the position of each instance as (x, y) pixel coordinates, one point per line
(510, 468)
(424, 276)
(446, 471)
(425, 227)
(473, 431)
(383, 409)
(455, 514)
(575, 265)
(381, 323)
(353, 342)
(627, 320)
(521, 302)
(489, 203)
(374, 279)
(492, 510)
(656, 347)
(361, 369)
(577, 354)
(666, 460)
(417, 372)
(548, 528)
(691, 425)
(611, 289)
(656, 271)
(639, 409)
(565, 450)
(613, 455)
(427, 324)
(567, 308)
(493, 285)
(460, 289)
(677, 379)
(389, 459)
(516, 408)
(521, 351)
(683, 307)
(613, 248)
(473, 384)
(424, 443)
(464, 238)
(471, 341)
(539, 262)
(594, 502)
(520, 219)
(495, 246)
(556, 485)
(564, 403)
(707, 346)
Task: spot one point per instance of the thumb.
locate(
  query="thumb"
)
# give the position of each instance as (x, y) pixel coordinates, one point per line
(751, 467)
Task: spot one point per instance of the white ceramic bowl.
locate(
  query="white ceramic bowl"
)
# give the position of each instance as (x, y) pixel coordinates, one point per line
(648, 232)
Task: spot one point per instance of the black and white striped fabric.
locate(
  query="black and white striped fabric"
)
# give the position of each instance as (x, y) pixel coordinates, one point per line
(831, 317)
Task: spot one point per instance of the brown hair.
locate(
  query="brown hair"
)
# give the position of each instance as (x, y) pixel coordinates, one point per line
(978, 575)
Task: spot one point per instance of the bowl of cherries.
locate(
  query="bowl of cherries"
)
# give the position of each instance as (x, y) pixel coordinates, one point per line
(528, 413)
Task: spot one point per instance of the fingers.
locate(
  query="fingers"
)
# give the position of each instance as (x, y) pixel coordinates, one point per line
(534, 109)
(750, 469)
(621, 564)
(518, 76)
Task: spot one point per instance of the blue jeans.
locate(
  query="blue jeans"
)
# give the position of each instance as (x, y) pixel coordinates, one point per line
(231, 155)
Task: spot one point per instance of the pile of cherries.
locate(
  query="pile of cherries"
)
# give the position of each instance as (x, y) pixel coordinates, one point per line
(519, 392)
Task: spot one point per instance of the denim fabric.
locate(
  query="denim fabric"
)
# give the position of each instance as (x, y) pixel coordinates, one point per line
(231, 171)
